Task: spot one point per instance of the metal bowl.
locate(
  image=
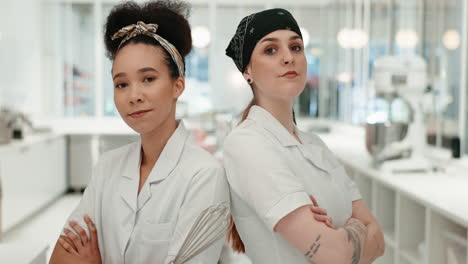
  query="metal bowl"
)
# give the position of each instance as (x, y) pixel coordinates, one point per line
(379, 135)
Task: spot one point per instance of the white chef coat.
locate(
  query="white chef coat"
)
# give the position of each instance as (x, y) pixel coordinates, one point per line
(150, 227)
(271, 174)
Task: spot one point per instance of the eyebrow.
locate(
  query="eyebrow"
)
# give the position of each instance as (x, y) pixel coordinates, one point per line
(147, 69)
(276, 39)
(142, 70)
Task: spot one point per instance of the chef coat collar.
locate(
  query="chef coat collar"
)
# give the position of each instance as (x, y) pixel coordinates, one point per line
(270, 123)
(167, 160)
(310, 148)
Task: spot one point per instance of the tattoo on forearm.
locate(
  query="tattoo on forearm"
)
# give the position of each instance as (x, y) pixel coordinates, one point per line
(356, 233)
(313, 250)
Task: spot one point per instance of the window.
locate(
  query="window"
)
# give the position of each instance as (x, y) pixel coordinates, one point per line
(79, 63)
(428, 28)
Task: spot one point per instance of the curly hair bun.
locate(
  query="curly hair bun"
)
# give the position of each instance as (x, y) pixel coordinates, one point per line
(170, 15)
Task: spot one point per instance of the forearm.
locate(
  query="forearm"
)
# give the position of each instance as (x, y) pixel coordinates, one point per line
(67, 260)
(344, 246)
(60, 256)
(374, 246)
(321, 244)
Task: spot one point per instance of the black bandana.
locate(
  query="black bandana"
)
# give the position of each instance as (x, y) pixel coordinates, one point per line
(253, 28)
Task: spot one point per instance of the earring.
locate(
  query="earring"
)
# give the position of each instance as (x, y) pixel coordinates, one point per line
(249, 81)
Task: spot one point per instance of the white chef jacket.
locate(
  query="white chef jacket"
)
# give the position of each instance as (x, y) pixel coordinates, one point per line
(150, 227)
(271, 174)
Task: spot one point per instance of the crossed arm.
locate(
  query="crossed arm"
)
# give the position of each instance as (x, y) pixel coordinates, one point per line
(374, 246)
(360, 241)
(81, 249)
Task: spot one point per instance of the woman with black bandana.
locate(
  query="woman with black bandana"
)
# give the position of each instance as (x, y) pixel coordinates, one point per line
(273, 168)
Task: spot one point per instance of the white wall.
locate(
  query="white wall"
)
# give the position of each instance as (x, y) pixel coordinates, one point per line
(20, 55)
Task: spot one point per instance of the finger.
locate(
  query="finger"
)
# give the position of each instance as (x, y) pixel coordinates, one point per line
(69, 241)
(330, 223)
(80, 231)
(74, 238)
(324, 219)
(318, 210)
(67, 247)
(320, 218)
(92, 230)
(313, 200)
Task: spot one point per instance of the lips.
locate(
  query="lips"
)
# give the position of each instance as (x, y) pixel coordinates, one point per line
(290, 74)
(139, 113)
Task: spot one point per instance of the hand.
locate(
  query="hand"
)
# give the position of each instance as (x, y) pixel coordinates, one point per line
(320, 214)
(81, 246)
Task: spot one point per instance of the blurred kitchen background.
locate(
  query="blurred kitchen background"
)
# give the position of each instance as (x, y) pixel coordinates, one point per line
(386, 90)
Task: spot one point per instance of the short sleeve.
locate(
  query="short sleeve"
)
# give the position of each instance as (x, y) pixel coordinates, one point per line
(258, 171)
(208, 187)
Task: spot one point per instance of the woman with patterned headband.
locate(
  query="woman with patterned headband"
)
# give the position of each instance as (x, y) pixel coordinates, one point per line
(273, 168)
(144, 197)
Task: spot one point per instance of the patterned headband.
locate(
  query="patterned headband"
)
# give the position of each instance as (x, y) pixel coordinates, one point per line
(141, 28)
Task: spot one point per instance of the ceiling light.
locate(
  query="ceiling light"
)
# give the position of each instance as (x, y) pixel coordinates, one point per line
(201, 36)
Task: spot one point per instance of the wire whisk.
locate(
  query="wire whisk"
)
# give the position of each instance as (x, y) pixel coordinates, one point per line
(211, 225)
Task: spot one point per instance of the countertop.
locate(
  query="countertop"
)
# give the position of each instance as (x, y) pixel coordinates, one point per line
(88, 126)
(445, 192)
(29, 140)
(61, 127)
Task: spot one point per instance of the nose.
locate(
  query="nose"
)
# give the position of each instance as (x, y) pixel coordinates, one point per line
(136, 95)
(288, 57)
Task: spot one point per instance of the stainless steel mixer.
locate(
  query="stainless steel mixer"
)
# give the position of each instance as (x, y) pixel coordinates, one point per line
(395, 127)
(6, 118)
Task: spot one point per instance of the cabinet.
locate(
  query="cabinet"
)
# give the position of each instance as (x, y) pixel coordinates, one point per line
(32, 175)
(84, 152)
(424, 216)
(415, 232)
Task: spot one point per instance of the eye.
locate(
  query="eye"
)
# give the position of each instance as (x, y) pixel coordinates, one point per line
(296, 48)
(149, 79)
(270, 50)
(120, 85)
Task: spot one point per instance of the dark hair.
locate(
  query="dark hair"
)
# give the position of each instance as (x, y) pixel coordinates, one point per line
(171, 17)
(233, 237)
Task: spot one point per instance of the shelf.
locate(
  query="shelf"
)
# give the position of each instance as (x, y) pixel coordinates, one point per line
(415, 232)
(387, 258)
(412, 228)
(411, 256)
(402, 260)
(456, 249)
(448, 241)
(390, 239)
(385, 208)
